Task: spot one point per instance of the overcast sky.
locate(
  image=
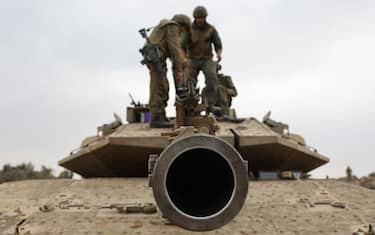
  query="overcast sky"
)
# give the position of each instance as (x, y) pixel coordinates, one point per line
(66, 66)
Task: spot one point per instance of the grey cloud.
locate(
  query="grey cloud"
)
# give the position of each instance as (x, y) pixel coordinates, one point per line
(67, 65)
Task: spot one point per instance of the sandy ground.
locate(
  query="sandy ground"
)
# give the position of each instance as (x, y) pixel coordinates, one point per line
(272, 207)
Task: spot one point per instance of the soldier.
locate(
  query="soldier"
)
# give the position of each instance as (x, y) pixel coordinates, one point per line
(197, 46)
(166, 36)
(225, 91)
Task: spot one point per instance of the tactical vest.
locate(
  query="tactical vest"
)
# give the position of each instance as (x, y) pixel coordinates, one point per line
(200, 46)
(158, 35)
(226, 81)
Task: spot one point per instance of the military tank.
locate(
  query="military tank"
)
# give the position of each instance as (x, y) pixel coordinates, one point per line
(198, 170)
(123, 150)
(199, 175)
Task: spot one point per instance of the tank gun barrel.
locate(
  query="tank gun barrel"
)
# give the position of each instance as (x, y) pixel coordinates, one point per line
(199, 182)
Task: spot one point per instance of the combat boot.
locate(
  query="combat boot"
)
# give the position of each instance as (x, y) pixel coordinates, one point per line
(160, 121)
(215, 110)
(161, 124)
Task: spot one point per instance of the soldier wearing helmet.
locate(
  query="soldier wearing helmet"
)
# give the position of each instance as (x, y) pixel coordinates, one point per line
(197, 47)
(166, 36)
(225, 92)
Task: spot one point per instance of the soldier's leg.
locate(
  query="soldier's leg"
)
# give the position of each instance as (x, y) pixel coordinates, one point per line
(209, 70)
(204, 94)
(164, 93)
(159, 88)
(222, 99)
(193, 71)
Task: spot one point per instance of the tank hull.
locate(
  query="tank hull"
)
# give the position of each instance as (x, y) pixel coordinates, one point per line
(125, 152)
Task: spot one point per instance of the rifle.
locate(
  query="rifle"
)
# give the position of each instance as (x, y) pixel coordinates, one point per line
(133, 101)
(150, 52)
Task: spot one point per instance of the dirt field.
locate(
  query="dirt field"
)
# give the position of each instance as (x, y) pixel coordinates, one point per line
(272, 207)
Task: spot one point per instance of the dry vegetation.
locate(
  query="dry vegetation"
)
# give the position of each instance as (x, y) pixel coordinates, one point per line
(26, 171)
(365, 181)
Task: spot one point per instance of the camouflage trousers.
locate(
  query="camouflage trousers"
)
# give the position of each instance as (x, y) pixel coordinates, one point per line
(159, 89)
(208, 67)
(223, 100)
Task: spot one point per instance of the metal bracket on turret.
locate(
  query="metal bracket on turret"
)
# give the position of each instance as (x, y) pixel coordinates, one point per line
(150, 168)
(189, 106)
(181, 131)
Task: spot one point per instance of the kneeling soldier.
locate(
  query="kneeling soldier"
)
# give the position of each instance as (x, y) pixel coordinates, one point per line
(225, 91)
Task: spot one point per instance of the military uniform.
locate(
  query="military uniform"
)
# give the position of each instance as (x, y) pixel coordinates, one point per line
(224, 98)
(198, 48)
(166, 35)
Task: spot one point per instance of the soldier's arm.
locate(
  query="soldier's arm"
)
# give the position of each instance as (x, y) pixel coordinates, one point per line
(173, 44)
(232, 91)
(217, 44)
(184, 45)
(185, 38)
(185, 62)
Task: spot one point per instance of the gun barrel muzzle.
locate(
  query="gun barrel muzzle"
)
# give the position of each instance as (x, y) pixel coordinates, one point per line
(200, 182)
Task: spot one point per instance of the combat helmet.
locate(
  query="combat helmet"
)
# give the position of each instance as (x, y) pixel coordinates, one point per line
(200, 11)
(182, 19)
